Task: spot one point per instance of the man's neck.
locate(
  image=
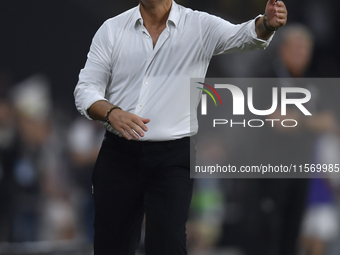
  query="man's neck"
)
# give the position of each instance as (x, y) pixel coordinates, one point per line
(155, 13)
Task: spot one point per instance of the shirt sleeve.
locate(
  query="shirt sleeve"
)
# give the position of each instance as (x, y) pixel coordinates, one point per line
(94, 77)
(220, 36)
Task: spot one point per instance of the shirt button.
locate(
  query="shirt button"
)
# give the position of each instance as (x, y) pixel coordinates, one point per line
(140, 105)
(146, 82)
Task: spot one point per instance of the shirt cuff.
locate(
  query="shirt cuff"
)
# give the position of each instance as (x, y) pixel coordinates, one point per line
(262, 44)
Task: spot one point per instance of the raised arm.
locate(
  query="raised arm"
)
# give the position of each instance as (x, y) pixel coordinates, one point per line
(219, 36)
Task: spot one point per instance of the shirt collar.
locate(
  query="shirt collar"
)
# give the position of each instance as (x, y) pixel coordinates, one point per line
(173, 16)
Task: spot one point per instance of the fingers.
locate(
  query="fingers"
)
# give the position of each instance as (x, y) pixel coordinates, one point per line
(280, 4)
(281, 15)
(138, 126)
(128, 132)
(141, 123)
(281, 22)
(281, 8)
(126, 135)
(145, 120)
(276, 13)
(276, 3)
(125, 130)
(128, 124)
(278, 7)
(133, 130)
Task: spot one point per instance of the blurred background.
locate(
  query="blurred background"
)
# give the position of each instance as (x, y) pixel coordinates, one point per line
(47, 150)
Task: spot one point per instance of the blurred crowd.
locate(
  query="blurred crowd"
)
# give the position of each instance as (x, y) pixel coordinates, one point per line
(45, 167)
(47, 150)
(274, 216)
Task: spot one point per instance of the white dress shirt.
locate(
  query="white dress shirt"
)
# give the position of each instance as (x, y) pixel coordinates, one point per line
(125, 69)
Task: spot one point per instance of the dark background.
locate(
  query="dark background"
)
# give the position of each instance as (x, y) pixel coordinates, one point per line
(52, 38)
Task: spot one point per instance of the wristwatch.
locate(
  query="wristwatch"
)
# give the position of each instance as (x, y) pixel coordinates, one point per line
(109, 111)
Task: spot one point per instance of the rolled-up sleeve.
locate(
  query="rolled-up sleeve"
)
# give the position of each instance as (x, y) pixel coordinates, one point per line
(94, 77)
(220, 36)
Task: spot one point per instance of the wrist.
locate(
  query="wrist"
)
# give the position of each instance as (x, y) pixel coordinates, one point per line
(266, 26)
(107, 117)
(261, 31)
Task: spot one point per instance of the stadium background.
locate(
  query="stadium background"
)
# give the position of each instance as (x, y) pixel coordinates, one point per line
(45, 160)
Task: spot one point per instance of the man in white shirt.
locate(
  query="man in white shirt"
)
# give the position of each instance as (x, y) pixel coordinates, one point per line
(137, 81)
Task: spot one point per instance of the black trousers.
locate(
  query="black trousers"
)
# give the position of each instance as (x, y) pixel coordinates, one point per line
(132, 178)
